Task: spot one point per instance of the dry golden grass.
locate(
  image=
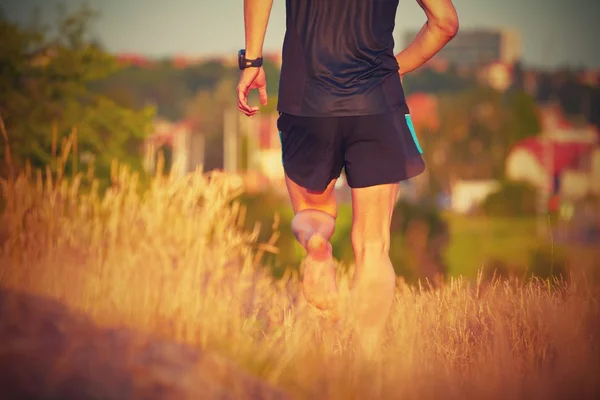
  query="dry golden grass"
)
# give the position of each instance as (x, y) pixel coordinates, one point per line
(173, 260)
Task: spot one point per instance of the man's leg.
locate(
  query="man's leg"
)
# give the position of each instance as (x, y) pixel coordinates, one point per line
(380, 151)
(313, 225)
(374, 280)
(313, 159)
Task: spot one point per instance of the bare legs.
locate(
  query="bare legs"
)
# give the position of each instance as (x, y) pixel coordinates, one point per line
(313, 225)
(374, 279)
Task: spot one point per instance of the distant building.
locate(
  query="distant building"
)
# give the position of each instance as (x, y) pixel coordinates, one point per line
(590, 77)
(563, 160)
(477, 47)
(181, 145)
(468, 195)
(134, 60)
(267, 154)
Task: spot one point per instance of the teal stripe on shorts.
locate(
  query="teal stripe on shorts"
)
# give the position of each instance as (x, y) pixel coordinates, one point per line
(412, 132)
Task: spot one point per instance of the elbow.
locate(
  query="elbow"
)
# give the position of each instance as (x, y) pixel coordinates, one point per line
(448, 26)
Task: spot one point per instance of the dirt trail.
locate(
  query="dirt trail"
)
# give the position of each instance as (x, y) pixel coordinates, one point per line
(48, 352)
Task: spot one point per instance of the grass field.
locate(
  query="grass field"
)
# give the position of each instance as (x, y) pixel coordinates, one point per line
(174, 261)
(478, 240)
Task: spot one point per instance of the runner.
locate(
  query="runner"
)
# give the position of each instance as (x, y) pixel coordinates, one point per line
(342, 106)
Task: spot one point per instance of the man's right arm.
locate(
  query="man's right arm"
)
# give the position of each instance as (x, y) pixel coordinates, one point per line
(440, 28)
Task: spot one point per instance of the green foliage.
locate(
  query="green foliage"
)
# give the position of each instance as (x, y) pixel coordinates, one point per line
(423, 235)
(272, 72)
(161, 86)
(204, 76)
(206, 108)
(429, 81)
(479, 127)
(265, 209)
(513, 199)
(547, 263)
(44, 96)
(491, 242)
(522, 120)
(174, 90)
(406, 212)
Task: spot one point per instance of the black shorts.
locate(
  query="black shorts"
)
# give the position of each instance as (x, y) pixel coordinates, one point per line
(372, 149)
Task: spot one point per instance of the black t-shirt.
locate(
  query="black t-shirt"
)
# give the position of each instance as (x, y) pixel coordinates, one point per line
(338, 59)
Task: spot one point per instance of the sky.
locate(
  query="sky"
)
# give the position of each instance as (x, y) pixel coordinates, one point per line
(553, 32)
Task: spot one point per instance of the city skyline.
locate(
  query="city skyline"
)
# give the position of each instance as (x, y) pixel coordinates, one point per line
(553, 33)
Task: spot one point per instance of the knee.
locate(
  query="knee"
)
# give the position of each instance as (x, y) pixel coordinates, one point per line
(370, 246)
(310, 221)
(327, 207)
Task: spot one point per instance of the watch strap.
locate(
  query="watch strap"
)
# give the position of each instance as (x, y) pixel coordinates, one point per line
(246, 63)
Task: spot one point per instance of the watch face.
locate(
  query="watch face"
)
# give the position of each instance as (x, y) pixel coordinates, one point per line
(242, 59)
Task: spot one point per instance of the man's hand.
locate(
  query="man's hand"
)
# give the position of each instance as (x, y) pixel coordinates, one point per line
(251, 78)
(256, 19)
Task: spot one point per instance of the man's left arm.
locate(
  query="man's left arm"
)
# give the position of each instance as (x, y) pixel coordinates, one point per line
(256, 19)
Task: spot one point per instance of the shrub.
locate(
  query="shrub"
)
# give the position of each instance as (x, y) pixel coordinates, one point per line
(547, 263)
(424, 236)
(271, 214)
(513, 199)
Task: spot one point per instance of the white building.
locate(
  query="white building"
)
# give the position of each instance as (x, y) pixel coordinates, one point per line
(563, 160)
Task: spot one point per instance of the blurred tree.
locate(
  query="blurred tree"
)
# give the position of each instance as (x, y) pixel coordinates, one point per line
(545, 88)
(171, 88)
(522, 120)
(512, 199)
(160, 85)
(427, 80)
(594, 107)
(204, 76)
(206, 111)
(44, 94)
(272, 71)
(571, 96)
(479, 126)
(518, 75)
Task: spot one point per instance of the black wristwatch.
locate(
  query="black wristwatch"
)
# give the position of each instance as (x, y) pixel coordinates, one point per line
(245, 63)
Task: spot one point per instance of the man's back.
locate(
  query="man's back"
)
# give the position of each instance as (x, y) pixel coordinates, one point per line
(338, 59)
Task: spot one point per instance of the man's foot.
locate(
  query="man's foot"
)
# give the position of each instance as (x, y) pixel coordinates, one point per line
(319, 285)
